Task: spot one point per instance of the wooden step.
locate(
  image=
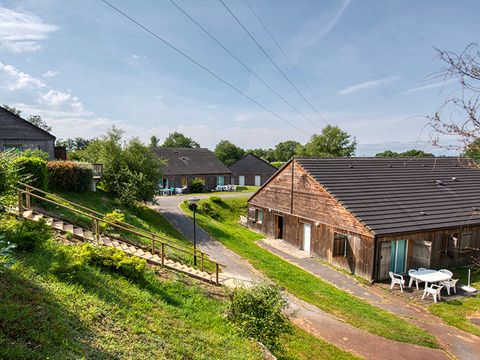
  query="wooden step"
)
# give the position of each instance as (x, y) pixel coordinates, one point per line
(107, 241)
(27, 214)
(49, 221)
(68, 228)
(58, 225)
(37, 217)
(78, 231)
(87, 234)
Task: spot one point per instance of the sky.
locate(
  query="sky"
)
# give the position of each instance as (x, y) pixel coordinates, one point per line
(366, 66)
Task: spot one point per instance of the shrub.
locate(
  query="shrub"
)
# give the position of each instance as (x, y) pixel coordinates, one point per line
(32, 171)
(115, 216)
(216, 200)
(69, 176)
(208, 209)
(36, 153)
(196, 186)
(26, 235)
(257, 311)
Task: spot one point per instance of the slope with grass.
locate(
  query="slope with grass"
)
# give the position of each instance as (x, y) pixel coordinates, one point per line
(222, 223)
(95, 312)
(458, 312)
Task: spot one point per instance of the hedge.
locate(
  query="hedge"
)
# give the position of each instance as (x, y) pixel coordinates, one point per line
(69, 176)
(32, 171)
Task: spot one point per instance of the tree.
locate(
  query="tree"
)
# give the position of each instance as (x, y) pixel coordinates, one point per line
(458, 117)
(131, 170)
(178, 140)
(331, 142)
(285, 150)
(154, 141)
(265, 154)
(13, 110)
(39, 122)
(228, 153)
(75, 144)
(472, 150)
(387, 153)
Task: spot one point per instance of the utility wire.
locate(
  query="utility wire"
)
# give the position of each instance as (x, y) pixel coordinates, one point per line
(285, 55)
(218, 77)
(246, 67)
(272, 61)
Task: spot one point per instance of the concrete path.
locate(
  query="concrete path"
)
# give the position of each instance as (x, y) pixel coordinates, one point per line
(461, 344)
(306, 316)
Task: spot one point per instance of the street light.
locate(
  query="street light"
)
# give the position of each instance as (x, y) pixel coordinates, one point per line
(193, 202)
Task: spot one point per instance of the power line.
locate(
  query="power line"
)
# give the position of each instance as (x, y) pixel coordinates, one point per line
(272, 61)
(218, 77)
(285, 55)
(241, 62)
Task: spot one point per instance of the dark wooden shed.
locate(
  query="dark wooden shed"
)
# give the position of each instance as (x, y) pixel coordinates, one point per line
(185, 164)
(374, 215)
(251, 170)
(18, 133)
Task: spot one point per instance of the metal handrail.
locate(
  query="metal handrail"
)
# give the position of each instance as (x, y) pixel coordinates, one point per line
(97, 220)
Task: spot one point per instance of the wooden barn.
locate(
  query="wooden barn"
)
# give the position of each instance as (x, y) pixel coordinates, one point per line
(185, 164)
(18, 133)
(251, 170)
(373, 215)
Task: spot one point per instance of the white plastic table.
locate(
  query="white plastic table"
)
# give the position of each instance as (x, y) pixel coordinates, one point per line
(429, 276)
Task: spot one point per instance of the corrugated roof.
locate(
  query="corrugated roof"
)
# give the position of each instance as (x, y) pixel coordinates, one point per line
(397, 195)
(190, 161)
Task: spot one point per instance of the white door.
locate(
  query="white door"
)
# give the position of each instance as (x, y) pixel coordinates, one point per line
(307, 236)
(241, 180)
(258, 180)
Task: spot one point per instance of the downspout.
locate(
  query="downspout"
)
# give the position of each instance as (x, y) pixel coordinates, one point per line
(376, 260)
(291, 189)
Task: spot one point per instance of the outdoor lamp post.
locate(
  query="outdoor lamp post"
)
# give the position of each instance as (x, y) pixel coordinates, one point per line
(193, 202)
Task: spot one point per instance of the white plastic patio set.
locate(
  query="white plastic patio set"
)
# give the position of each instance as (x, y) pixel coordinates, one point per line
(220, 188)
(435, 281)
(173, 190)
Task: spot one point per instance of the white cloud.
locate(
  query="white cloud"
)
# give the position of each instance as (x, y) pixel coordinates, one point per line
(367, 85)
(14, 79)
(58, 98)
(431, 86)
(50, 73)
(21, 32)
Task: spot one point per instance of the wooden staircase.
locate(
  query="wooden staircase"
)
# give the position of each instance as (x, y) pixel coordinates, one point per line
(154, 257)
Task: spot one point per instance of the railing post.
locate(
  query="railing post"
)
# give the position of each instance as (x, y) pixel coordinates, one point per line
(216, 274)
(20, 202)
(163, 254)
(202, 258)
(96, 230)
(27, 199)
(153, 246)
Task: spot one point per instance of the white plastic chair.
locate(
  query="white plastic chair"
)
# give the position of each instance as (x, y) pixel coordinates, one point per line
(445, 271)
(421, 269)
(433, 290)
(410, 272)
(396, 280)
(450, 284)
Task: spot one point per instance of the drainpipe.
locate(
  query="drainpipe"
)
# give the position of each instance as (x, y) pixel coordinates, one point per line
(376, 260)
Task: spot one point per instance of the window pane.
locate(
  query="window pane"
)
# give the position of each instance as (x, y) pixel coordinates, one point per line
(340, 244)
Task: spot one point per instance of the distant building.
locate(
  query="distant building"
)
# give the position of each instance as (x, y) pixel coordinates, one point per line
(18, 133)
(186, 164)
(251, 170)
(374, 215)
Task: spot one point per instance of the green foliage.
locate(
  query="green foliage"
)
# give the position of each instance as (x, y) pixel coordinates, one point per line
(331, 142)
(154, 141)
(266, 154)
(32, 171)
(39, 122)
(227, 152)
(35, 153)
(115, 216)
(208, 209)
(257, 311)
(277, 164)
(285, 150)
(69, 176)
(8, 176)
(472, 150)
(216, 199)
(75, 144)
(178, 140)
(408, 153)
(197, 185)
(131, 171)
(26, 235)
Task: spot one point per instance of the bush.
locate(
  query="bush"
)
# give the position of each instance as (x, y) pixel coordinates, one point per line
(36, 153)
(69, 176)
(257, 311)
(208, 209)
(114, 217)
(216, 200)
(196, 186)
(32, 171)
(26, 235)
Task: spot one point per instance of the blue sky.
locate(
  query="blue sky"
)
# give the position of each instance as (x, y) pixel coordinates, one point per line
(84, 68)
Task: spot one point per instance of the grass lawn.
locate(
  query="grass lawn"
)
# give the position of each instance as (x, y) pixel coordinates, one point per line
(141, 217)
(99, 314)
(302, 284)
(457, 312)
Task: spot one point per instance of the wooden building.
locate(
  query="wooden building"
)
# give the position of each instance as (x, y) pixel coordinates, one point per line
(18, 133)
(251, 170)
(374, 215)
(185, 164)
